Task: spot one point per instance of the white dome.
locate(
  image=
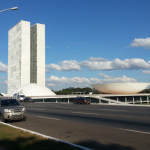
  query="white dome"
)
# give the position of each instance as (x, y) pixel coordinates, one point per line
(33, 89)
(121, 88)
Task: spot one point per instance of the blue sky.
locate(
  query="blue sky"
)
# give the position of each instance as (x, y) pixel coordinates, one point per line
(87, 41)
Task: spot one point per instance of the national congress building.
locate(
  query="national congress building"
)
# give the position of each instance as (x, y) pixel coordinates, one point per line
(26, 55)
(26, 66)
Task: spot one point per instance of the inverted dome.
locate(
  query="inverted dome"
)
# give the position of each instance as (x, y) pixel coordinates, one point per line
(121, 88)
(33, 89)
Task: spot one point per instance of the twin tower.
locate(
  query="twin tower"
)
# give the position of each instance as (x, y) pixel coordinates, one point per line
(26, 55)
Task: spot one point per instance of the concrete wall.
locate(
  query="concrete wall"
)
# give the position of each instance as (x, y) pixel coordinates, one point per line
(18, 54)
(25, 53)
(41, 54)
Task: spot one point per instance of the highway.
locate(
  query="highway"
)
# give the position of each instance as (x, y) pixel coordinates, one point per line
(93, 126)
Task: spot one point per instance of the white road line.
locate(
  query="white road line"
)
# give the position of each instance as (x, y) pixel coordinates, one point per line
(36, 109)
(48, 117)
(85, 113)
(111, 110)
(134, 131)
(61, 107)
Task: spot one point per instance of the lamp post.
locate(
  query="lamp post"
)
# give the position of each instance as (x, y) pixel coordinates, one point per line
(14, 8)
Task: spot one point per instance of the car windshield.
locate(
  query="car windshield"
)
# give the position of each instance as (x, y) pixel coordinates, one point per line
(13, 102)
(22, 96)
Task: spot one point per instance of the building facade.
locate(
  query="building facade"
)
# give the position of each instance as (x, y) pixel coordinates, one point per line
(26, 55)
(37, 54)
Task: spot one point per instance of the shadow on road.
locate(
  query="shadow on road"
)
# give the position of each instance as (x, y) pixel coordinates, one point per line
(23, 143)
(99, 146)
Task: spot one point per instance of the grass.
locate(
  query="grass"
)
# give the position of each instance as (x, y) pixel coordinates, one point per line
(15, 139)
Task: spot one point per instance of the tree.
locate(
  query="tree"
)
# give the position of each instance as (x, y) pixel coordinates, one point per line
(66, 91)
(145, 91)
(97, 92)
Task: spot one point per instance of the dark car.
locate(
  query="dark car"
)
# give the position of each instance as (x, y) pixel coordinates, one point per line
(28, 99)
(11, 109)
(81, 100)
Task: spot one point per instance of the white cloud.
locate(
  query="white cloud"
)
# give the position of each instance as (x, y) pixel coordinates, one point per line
(146, 72)
(68, 47)
(64, 80)
(3, 67)
(66, 65)
(85, 82)
(46, 70)
(50, 84)
(111, 79)
(100, 64)
(141, 43)
(105, 76)
(117, 64)
(98, 59)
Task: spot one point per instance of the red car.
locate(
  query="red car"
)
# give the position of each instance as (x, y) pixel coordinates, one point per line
(81, 100)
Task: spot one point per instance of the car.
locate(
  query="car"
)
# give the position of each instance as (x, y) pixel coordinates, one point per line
(19, 96)
(81, 100)
(28, 99)
(11, 109)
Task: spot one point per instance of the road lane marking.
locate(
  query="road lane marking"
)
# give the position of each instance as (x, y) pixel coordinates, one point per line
(61, 107)
(85, 113)
(111, 110)
(48, 117)
(36, 109)
(134, 131)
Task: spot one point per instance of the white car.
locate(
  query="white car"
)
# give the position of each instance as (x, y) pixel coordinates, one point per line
(20, 97)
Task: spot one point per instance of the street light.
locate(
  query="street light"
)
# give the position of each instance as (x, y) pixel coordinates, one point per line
(14, 8)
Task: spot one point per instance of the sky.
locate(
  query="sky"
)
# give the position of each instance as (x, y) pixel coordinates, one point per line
(86, 41)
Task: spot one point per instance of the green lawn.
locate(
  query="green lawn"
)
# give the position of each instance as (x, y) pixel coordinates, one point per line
(15, 139)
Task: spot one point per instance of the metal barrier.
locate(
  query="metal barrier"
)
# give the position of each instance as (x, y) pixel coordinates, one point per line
(100, 100)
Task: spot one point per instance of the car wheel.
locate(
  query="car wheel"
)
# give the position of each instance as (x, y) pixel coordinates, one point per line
(25, 118)
(2, 118)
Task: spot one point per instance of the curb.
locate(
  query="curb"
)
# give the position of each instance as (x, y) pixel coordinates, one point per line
(48, 137)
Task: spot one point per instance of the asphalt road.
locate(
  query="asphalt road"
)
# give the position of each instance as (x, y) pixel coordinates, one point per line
(93, 126)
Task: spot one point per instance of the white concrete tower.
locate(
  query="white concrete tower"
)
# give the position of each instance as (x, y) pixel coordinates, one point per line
(18, 55)
(26, 55)
(37, 50)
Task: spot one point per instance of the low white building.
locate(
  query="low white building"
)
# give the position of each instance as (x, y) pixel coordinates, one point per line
(32, 90)
(121, 88)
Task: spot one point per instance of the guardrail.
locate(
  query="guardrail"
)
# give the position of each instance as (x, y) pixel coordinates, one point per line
(95, 99)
